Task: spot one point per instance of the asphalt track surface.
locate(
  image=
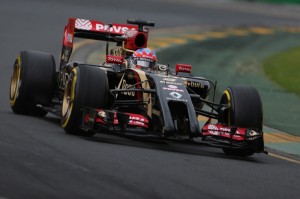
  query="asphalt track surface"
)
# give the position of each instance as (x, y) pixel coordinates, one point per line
(38, 160)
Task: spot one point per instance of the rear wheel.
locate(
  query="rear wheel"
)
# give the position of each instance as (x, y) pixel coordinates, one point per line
(86, 87)
(32, 82)
(244, 110)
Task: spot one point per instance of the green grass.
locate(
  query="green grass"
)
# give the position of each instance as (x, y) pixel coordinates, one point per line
(284, 69)
(279, 1)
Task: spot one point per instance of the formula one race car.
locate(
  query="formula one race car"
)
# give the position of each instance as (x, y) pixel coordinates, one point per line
(131, 94)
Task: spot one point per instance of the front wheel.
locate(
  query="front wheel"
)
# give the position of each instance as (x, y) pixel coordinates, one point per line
(86, 87)
(244, 110)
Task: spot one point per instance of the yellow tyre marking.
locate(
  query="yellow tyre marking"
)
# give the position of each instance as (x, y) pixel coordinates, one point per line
(226, 92)
(70, 106)
(15, 82)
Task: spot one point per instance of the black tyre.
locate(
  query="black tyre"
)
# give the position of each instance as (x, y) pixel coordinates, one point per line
(32, 82)
(86, 87)
(245, 110)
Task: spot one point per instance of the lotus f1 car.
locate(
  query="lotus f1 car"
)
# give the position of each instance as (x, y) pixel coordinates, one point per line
(114, 98)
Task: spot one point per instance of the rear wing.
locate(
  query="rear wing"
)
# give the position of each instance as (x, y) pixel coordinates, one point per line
(131, 36)
(90, 29)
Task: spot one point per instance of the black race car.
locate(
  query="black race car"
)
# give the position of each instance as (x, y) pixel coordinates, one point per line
(160, 103)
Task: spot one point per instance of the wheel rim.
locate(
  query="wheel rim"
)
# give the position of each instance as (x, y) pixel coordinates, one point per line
(15, 82)
(68, 99)
(227, 100)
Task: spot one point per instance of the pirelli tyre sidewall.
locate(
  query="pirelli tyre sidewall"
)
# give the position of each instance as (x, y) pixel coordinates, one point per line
(87, 87)
(32, 82)
(245, 110)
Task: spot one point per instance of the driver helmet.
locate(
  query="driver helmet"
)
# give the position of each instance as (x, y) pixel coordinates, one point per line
(143, 59)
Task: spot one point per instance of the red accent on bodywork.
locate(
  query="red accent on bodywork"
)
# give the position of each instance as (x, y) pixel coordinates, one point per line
(97, 26)
(69, 33)
(221, 130)
(134, 119)
(86, 118)
(114, 59)
(184, 68)
(136, 41)
(99, 120)
(75, 24)
(114, 28)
